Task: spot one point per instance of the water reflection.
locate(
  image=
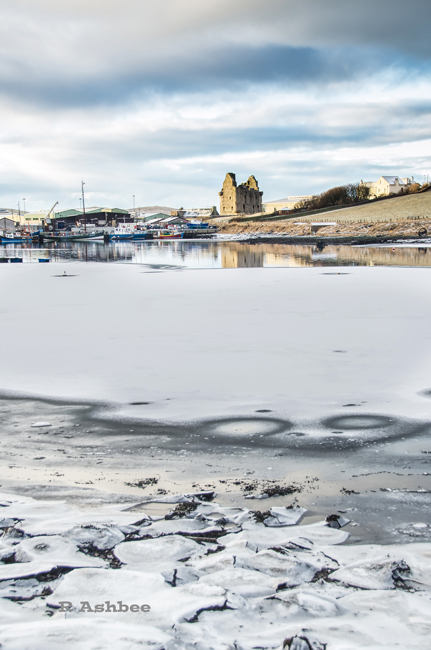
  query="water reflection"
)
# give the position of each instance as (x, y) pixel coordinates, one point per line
(242, 255)
(213, 254)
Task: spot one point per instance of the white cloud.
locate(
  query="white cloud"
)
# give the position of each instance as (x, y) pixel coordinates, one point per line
(78, 77)
(179, 150)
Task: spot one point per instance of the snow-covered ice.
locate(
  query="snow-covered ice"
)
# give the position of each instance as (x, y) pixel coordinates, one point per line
(202, 344)
(258, 363)
(254, 588)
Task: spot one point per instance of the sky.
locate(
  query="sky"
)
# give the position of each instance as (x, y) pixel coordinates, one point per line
(160, 100)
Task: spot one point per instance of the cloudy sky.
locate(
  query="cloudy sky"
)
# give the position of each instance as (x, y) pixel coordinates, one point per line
(161, 99)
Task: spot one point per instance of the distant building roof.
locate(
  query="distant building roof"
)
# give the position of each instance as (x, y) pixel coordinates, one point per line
(165, 219)
(67, 213)
(10, 211)
(64, 214)
(201, 212)
(391, 180)
(151, 217)
(156, 219)
(171, 219)
(5, 222)
(117, 210)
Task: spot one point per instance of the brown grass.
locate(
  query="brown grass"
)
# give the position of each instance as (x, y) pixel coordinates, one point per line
(401, 216)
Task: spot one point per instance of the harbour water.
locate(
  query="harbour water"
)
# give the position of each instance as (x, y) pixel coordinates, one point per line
(222, 254)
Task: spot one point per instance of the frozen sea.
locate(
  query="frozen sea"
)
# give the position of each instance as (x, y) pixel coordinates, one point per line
(271, 378)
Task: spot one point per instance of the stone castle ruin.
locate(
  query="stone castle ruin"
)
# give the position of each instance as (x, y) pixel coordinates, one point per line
(240, 199)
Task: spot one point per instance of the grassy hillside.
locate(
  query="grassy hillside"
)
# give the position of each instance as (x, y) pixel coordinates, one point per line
(401, 207)
(401, 216)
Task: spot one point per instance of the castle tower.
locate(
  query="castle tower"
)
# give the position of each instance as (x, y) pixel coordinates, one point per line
(228, 195)
(243, 199)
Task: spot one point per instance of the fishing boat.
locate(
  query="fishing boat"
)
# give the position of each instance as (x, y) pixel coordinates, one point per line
(14, 238)
(167, 234)
(196, 232)
(99, 236)
(141, 234)
(76, 236)
(121, 233)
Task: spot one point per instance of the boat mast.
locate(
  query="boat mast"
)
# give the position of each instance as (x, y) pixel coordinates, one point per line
(83, 206)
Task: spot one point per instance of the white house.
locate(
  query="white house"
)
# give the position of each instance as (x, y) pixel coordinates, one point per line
(388, 185)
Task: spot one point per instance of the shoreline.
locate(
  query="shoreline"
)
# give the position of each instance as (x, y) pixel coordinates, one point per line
(313, 231)
(327, 240)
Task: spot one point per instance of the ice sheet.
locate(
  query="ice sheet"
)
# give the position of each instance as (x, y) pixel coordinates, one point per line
(299, 342)
(215, 346)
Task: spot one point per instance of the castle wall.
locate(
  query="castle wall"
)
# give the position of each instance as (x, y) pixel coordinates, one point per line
(243, 199)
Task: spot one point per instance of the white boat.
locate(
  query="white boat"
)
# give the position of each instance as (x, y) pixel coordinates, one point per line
(99, 236)
(74, 236)
(122, 233)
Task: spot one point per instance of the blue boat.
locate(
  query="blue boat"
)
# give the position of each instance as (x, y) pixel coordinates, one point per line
(120, 237)
(197, 225)
(13, 238)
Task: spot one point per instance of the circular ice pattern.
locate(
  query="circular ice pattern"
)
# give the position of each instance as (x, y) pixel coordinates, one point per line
(360, 421)
(247, 427)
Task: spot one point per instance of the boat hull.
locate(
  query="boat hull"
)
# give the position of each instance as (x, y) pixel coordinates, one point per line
(196, 233)
(82, 237)
(15, 240)
(98, 238)
(178, 235)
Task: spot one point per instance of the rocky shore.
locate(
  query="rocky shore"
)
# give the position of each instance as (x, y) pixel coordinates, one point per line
(295, 231)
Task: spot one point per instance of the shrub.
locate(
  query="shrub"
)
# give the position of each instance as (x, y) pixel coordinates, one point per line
(341, 195)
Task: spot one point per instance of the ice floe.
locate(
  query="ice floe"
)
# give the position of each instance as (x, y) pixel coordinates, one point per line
(156, 554)
(207, 577)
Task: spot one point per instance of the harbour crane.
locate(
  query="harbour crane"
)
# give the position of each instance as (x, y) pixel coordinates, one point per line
(44, 221)
(48, 213)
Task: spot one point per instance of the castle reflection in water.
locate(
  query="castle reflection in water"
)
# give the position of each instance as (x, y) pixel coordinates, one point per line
(216, 254)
